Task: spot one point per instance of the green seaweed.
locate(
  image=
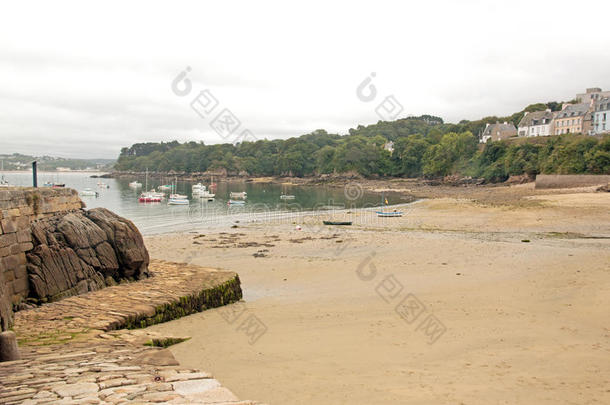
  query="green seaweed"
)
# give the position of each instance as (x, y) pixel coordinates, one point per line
(222, 294)
(165, 342)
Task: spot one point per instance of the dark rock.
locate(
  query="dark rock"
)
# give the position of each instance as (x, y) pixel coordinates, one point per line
(126, 241)
(78, 252)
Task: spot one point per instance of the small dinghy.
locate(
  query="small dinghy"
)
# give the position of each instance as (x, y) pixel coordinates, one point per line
(337, 222)
(389, 214)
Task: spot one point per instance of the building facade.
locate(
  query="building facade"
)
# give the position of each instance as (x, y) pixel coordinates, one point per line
(594, 94)
(498, 131)
(537, 123)
(601, 116)
(573, 119)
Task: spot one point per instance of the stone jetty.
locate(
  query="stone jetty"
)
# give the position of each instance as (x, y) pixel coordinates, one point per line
(78, 350)
(77, 287)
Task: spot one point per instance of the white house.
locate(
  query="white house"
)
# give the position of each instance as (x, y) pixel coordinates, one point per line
(389, 146)
(601, 116)
(537, 123)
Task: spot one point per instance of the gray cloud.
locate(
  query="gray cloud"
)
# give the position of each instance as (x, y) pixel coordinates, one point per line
(83, 82)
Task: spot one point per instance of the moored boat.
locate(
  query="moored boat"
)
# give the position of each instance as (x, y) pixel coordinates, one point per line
(389, 214)
(150, 197)
(135, 184)
(287, 197)
(236, 202)
(238, 194)
(178, 201)
(337, 222)
(87, 192)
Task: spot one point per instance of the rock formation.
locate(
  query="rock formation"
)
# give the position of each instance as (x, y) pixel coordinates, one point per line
(83, 251)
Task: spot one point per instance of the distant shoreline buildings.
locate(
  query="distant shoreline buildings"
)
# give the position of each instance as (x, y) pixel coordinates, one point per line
(590, 116)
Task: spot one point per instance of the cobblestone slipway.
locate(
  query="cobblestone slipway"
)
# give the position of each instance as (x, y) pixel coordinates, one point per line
(79, 350)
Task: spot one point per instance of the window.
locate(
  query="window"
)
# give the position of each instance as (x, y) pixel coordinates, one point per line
(604, 117)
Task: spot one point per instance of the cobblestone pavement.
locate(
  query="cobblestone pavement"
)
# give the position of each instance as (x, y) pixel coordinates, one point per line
(73, 351)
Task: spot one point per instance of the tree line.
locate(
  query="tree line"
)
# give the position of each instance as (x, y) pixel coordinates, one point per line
(424, 146)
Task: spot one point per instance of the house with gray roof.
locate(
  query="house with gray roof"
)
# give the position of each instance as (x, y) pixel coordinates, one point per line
(537, 123)
(573, 119)
(498, 131)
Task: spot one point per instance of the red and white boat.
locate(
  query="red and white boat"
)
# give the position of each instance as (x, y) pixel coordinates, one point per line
(151, 197)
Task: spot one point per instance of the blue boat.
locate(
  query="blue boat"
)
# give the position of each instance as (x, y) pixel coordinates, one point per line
(389, 214)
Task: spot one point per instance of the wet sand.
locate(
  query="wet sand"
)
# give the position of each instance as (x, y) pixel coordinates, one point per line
(457, 302)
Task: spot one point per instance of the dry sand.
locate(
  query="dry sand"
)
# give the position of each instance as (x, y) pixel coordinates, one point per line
(526, 322)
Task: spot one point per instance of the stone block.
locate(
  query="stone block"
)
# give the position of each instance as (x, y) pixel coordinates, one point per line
(24, 235)
(21, 286)
(8, 225)
(195, 386)
(9, 276)
(11, 262)
(21, 271)
(26, 211)
(23, 222)
(26, 246)
(8, 239)
(14, 249)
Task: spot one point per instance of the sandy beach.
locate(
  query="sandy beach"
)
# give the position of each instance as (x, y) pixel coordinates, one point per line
(497, 296)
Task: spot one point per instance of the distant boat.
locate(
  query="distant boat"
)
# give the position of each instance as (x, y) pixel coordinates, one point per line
(135, 184)
(337, 222)
(54, 185)
(89, 193)
(178, 199)
(199, 190)
(165, 187)
(150, 197)
(389, 214)
(3, 181)
(196, 188)
(238, 194)
(287, 197)
(236, 202)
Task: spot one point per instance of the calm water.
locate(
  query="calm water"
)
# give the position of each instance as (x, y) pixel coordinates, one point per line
(263, 202)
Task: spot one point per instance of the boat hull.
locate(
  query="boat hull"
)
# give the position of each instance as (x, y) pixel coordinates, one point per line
(389, 214)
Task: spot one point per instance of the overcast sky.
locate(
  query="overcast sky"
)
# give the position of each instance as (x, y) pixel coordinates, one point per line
(83, 80)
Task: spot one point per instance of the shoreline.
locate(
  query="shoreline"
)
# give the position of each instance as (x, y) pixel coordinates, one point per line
(521, 289)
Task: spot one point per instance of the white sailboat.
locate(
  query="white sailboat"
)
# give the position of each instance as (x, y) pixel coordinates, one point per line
(199, 190)
(177, 199)
(3, 181)
(88, 192)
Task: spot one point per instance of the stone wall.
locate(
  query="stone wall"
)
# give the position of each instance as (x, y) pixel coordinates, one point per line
(570, 180)
(19, 207)
(51, 248)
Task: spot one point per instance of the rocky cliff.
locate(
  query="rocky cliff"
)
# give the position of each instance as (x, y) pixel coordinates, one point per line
(51, 248)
